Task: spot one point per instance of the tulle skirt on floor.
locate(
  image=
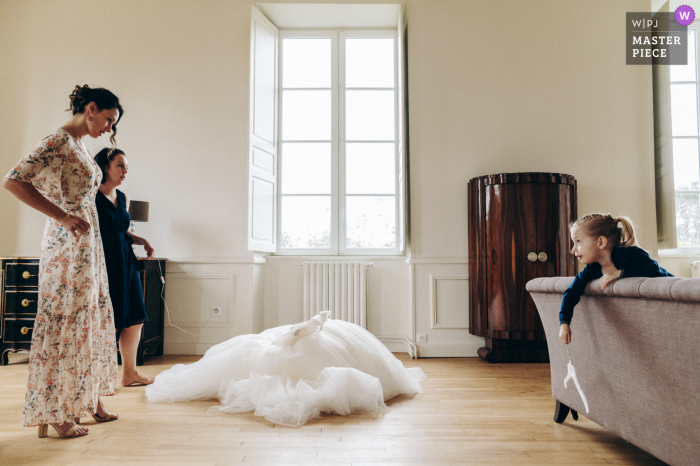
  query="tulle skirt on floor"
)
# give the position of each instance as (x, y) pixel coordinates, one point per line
(292, 374)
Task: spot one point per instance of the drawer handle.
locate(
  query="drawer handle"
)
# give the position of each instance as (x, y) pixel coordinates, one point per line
(25, 330)
(532, 257)
(26, 275)
(25, 302)
(542, 256)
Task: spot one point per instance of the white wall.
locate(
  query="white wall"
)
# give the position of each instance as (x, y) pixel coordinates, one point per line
(180, 69)
(388, 297)
(511, 86)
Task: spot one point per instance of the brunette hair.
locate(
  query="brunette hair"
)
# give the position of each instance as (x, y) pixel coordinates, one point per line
(105, 157)
(618, 231)
(104, 99)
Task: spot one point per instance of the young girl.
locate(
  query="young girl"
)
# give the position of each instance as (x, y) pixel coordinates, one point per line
(606, 245)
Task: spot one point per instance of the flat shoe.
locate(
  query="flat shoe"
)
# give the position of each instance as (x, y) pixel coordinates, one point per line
(109, 417)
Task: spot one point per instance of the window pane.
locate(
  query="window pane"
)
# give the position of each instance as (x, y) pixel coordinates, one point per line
(684, 109)
(686, 169)
(306, 221)
(687, 72)
(688, 220)
(369, 62)
(306, 115)
(306, 168)
(369, 168)
(369, 115)
(306, 63)
(371, 222)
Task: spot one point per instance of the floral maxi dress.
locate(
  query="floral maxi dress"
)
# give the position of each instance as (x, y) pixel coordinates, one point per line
(73, 358)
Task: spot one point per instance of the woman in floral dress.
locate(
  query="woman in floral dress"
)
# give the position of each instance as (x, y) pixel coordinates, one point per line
(73, 358)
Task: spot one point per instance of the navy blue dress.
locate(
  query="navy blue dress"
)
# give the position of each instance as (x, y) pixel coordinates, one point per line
(631, 260)
(124, 284)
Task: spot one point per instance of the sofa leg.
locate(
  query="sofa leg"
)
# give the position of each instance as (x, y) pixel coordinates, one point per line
(560, 412)
(574, 414)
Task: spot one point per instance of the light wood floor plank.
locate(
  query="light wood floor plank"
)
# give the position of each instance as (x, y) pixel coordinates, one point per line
(472, 413)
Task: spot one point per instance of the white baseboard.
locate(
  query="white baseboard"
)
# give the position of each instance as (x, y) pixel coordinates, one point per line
(448, 350)
(187, 349)
(399, 345)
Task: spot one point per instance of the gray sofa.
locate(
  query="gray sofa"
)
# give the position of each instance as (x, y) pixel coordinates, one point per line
(636, 351)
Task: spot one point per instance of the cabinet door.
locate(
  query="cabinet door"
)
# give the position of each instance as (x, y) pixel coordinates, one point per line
(511, 233)
(554, 210)
(553, 213)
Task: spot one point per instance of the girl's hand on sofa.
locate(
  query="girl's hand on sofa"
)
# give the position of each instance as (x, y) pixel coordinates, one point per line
(565, 333)
(608, 277)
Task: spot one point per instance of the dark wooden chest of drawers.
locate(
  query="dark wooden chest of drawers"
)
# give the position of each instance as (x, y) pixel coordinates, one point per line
(20, 281)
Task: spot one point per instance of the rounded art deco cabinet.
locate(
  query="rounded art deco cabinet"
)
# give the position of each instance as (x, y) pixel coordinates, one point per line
(518, 230)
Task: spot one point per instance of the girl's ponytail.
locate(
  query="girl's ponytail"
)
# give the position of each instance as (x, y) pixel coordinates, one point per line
(626, 231)
(618, 231)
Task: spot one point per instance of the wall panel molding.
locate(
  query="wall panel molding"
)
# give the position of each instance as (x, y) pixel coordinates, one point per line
(437, 260)
(435, 300)
(182, 289)
(214, 261)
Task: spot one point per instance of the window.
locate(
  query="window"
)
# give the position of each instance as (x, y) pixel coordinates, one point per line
(686, 153)
(326, 140)
(338, 157)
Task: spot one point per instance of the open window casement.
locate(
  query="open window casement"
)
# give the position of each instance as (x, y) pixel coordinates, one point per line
(402, 95)
(263, 143)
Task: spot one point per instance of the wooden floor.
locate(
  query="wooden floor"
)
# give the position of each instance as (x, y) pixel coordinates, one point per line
(471, 413)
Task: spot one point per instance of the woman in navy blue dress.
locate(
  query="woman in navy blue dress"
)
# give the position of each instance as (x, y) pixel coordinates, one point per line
(124, 284)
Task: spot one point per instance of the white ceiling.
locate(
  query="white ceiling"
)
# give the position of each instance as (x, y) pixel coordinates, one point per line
(331, 15)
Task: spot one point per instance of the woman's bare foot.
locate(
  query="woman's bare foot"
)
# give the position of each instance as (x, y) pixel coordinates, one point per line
(63, 429)
(102, 413)
(135, 379)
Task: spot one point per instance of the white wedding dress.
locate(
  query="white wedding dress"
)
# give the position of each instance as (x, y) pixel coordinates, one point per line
(292, 374)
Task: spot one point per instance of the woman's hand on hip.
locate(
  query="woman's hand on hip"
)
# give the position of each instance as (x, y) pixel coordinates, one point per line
(76, 225)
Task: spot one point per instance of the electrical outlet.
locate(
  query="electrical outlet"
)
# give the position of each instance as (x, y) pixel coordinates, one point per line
(216, 310)
(422, 338)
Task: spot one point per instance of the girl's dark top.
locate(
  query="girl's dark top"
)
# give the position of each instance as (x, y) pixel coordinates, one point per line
(124, 284)
(631, 260)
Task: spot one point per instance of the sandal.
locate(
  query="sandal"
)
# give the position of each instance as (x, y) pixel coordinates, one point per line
(44, 431)
(109, 417)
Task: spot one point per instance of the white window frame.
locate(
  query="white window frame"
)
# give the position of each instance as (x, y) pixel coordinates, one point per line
(338, 196)
(687, 251)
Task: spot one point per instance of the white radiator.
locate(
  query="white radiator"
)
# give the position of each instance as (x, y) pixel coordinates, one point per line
(696, 269)
(339, 287)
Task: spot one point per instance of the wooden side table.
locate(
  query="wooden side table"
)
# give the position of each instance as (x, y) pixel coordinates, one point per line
(152, 332)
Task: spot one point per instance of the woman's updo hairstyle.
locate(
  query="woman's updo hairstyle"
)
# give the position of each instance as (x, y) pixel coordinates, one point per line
(104, 99)
(618, 231)
(104, 158)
